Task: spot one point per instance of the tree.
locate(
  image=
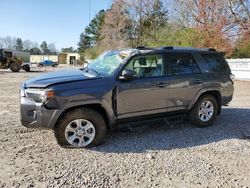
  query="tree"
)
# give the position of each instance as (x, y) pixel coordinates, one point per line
(220, 24)
(68, 50)
(95, 26)
(116, 28)
(52, 48)
(146, 17)
(35, 51)
(9, 42)
(1, 42)
(84, 43)
(27, 45)
(44, 47)
(91, 35)
(19, 44)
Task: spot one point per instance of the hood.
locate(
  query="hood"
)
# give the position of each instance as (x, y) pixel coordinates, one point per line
(47, 79)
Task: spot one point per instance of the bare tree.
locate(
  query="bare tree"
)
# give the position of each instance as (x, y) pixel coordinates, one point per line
(9, 42)
(1, 42)
(214, 21)
(27, 44)
(52, 47)
(147, 17)
(116, 27)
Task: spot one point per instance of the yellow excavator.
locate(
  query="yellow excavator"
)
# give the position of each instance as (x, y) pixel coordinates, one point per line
(9, 61)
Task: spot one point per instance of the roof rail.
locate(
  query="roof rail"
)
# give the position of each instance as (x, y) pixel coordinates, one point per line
(186, 48)
(144, 48)
(140, 47)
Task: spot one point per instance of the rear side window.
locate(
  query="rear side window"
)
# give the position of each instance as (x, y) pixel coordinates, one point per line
(181, 64)
(215, 63)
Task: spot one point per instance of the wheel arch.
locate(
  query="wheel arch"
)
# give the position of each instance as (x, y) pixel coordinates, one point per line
(215, 93)
(98, 107)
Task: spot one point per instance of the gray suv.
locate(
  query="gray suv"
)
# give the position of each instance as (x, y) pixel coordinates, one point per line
(81, 105)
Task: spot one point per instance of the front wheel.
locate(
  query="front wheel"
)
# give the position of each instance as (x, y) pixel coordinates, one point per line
(15, 67)
(81, 128)
(205, 111)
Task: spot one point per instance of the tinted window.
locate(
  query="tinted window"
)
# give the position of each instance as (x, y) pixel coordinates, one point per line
(215, 63)
(181, 64)
(146, 66)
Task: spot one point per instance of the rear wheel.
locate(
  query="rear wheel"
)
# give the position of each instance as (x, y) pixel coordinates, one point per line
(204, 112)
(82, 128)
(15, 67)
(26, 68)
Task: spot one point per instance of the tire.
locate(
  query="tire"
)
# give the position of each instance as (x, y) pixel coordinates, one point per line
(15, 67)
(26, 68)
(67, 129)
(204, 112)
(55, 65)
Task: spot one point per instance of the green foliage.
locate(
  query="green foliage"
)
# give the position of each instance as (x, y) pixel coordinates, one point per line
(172, 35)
(44, 47)
(94, 28)
(92, 53)
(35, 51)
(19, 44)
(242, 52)
(92, 33)
(84, 43)
(68, 50)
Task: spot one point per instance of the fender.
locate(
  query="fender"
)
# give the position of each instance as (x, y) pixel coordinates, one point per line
(201, 92)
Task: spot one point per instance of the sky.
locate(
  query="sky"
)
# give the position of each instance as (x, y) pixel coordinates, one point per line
(54, 21)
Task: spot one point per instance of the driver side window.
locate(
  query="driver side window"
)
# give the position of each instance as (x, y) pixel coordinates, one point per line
(146, 66)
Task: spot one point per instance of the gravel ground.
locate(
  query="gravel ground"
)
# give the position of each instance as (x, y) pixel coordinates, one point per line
(179, 155)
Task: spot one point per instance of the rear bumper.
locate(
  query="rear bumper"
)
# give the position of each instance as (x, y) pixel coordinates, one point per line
(227, 94)
(35, 115)
(226, 100)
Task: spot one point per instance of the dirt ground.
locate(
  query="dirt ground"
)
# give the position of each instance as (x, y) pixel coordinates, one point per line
(178, 155)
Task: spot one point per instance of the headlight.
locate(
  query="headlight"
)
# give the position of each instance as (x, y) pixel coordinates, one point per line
(39, 95)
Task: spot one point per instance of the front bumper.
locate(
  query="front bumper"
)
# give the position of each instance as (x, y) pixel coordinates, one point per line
(35, 115)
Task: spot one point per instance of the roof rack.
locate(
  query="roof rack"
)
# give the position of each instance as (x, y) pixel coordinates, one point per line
(187, 48)
(144, 48)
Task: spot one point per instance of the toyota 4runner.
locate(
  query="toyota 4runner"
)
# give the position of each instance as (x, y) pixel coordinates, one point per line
(81, 105)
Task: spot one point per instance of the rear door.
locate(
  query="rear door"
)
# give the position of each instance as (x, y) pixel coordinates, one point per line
(184, 80)
(147, 94)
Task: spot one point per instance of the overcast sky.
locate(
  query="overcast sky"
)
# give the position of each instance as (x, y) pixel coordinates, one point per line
(55, 21)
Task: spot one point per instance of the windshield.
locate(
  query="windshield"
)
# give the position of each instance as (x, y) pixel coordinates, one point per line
(106, 63)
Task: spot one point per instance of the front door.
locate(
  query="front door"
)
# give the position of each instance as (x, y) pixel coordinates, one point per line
(147, 93)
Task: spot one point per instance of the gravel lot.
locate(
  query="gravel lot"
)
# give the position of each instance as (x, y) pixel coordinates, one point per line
(179, 155)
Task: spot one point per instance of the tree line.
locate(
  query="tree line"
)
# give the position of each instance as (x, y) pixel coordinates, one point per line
(223, 25)
(27, 46)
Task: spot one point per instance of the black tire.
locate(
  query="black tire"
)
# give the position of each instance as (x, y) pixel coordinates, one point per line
(194, 116)
(55, 65)
(15, 67)
(82, 113)
(26, 68)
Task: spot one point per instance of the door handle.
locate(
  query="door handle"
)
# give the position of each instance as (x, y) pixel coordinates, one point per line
(161, 84)
(198, 81)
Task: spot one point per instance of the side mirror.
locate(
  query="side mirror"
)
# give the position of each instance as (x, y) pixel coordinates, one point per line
(127, 75)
